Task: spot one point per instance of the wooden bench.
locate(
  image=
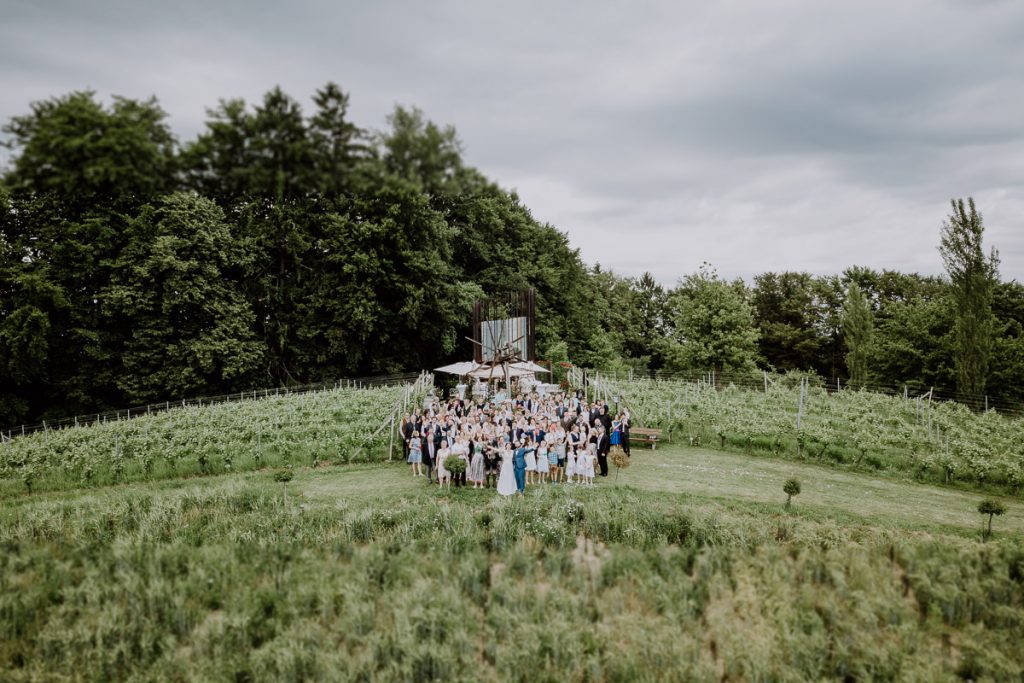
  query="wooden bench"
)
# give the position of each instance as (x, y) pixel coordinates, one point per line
(645, 435)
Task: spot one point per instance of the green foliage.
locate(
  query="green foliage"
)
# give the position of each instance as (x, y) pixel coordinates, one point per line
(992, 508)
(333, 425)
(455, 464)
(791, 488)
(87, 154)
(793, 313)
(857, 331)
(943, 442)
(187, 327)
(973, 276)
(714, 325)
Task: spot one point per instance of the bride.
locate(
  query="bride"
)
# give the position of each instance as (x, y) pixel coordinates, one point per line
(506, 478)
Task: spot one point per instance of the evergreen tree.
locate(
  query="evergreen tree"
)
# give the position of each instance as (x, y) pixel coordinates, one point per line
(338, 145)
(973, 276)
(858, 327)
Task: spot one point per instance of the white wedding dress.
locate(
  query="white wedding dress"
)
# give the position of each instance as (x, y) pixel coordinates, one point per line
(506, 477)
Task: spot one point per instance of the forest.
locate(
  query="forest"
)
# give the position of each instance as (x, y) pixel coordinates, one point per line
(283, 246)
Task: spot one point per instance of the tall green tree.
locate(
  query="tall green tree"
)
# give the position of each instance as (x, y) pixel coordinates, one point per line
(80, 170)
(421, 152)
(791, 319)
(89, 155)
(973, 276)
(858, 327)
(188, 329)
(714, 325)
(339, 147)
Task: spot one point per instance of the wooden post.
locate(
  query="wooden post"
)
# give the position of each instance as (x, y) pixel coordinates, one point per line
(766, 381)
(800, 408)
(391, 444)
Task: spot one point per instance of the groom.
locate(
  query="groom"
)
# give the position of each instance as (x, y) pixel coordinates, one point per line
(519, 467)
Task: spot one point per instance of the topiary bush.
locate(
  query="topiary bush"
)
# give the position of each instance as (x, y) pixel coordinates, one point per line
(992, 508)
(791, 488)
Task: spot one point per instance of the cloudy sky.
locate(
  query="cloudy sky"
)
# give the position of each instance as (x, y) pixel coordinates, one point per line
(791, 135)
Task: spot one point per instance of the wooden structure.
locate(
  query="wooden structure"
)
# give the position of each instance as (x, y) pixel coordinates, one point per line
(644, 435)
(503, 327)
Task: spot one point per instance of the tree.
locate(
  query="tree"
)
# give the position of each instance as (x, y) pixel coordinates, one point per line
(187, 327)
(973, 277)
(789, 317)
(992, 508)
(858, 327)
(714, 325)
(88, 155)
(338, 146)
(420, 151)
(791, 488)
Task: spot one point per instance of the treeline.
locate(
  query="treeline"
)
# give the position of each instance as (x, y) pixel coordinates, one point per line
(283, 246)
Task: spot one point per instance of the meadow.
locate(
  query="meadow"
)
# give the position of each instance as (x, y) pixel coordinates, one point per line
(686, 566)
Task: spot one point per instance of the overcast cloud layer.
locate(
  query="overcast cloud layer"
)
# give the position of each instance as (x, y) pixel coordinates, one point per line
(792, 135)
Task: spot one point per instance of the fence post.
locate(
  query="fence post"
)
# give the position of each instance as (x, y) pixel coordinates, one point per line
(800, 408)
(765, 381)
(391, 443)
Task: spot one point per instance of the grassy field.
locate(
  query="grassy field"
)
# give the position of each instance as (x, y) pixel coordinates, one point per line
(687, 567)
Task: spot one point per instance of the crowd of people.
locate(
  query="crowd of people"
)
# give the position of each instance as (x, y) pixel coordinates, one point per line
(512, 443)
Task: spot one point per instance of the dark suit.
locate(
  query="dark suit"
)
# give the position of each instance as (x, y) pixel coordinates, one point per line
(430, 449)
(601, 441)
(406, 430)
(519, 467)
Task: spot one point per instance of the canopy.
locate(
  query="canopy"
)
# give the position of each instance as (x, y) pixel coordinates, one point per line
(461, 369)
(500, 371)
(529, 366)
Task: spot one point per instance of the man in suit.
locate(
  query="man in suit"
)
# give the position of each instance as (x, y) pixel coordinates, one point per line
(601, 441)
(606, 420)
(594, 414)
(625, 431)
(430, 449)
(519, 467)
(408, 427)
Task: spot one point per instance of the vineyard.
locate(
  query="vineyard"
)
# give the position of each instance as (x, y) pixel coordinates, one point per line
(931, 441)
(339, 425)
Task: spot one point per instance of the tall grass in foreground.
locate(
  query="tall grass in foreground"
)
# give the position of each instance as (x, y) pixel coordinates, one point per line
(237, 582)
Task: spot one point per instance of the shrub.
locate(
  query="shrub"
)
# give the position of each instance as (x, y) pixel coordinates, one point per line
(791, 488)
(619, 459)
(990, 507)
(455, 464)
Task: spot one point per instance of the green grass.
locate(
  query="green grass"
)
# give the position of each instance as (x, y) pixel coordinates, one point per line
(686, 568)
(936, 442)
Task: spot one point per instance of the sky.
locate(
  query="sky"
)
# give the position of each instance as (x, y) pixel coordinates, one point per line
(786, 135)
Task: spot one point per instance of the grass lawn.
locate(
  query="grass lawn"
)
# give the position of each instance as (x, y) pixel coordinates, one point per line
(728, 478)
